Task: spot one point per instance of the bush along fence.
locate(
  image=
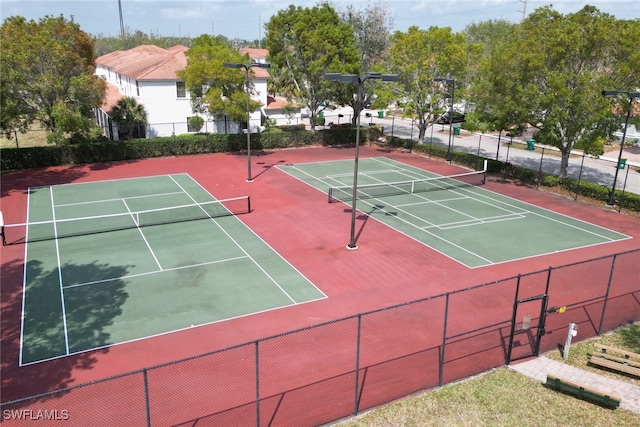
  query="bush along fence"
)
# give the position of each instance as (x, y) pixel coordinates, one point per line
(285, 137)
(322, 373)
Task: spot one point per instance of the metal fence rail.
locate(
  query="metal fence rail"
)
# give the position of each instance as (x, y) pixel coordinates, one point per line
(332, 370)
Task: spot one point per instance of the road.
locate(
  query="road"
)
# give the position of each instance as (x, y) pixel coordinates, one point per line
(598, 170)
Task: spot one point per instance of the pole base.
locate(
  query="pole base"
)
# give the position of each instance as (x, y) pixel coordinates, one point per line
(351, 248)
(249, 180)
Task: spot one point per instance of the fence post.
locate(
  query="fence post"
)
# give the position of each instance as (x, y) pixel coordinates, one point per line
(540, 169)
(146, 396)
(478, 153)
(444, 339)
(513, 321)
(355, 404)
(257, 386)
(606, 295)
(624, 187)
(580, 175)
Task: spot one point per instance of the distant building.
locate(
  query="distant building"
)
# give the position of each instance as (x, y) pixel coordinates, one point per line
(149, 74)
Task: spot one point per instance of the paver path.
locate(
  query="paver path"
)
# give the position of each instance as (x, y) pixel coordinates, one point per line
(539, 367)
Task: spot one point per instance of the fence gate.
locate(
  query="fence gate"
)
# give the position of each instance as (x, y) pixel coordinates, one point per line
(527, 327)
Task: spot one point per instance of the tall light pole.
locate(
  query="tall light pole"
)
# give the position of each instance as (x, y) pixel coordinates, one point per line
(451, 82)
(354, 78)
(246, 81)
(632, 96)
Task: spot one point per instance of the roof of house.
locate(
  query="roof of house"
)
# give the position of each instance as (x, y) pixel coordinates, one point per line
(111, 98)
(277, 103)
(254, 53)
(147, 62)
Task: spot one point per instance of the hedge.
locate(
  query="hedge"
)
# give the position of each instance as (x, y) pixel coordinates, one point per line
(178, 145)
(290, 136)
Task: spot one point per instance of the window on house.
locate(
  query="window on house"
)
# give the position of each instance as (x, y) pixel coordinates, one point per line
(138, 88)
(181, 90)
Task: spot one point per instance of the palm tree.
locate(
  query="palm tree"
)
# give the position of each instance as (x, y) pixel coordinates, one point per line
(131, 118)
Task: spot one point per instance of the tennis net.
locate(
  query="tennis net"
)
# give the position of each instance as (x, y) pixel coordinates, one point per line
(437, 183)
(72, 227)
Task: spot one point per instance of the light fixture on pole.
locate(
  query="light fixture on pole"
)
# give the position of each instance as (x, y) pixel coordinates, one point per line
(359, 80)
(246, 70)
(632, 96)
(452, 82)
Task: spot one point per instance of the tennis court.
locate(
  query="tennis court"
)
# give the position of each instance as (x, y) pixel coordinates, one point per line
(452, 215)
(114, 261)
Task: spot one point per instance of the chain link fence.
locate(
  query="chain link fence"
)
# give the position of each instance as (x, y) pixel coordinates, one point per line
(333, 370)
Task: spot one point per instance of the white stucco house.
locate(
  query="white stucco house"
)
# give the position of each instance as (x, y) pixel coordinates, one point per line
(149, 74)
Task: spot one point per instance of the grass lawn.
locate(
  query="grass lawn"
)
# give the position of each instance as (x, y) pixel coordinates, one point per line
(503, 397)
(35, 137)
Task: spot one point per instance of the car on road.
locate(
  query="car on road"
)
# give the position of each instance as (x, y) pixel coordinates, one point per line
(444, 119)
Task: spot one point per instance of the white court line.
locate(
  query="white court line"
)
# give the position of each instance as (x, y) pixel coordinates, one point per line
(530, 211)
(134, 178)
(130, 276)
(153, 254)
(272, 249)
(24, 280)
(242, 249)
(411, 224)
(549, 218)
(487, 220)
(118, 199)
(347, 175)
(162, 333)
(64, 310)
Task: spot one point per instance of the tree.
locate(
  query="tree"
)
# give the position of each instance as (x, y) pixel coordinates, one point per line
(130, 116)
(304, 44)
(418, 56)
(215, 89)
(551, 73)
(48, 74)
(371, 27)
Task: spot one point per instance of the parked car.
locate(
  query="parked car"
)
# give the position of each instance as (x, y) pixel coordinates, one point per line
(444, 119)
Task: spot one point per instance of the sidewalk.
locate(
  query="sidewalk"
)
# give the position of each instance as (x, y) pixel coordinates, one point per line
(539, 367)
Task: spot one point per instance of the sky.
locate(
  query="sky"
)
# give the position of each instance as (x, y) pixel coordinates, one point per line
(245, 19)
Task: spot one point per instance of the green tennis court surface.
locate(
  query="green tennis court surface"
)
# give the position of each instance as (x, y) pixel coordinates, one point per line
(455, 217)
(115, 261)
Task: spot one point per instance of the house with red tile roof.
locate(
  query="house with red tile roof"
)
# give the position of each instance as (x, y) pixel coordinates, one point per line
(149, 74)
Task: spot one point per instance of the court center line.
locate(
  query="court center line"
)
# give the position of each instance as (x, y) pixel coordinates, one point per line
(64, 309)
(309, 282)
(142, 234)
(437, 202)
(129, 276)
(427, 232)
(239, 246)
(118, 199)
(549, 218)
(487, 220)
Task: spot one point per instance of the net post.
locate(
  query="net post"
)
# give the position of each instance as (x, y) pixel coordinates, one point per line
(248, 204)
(484, 171)
(4, 240)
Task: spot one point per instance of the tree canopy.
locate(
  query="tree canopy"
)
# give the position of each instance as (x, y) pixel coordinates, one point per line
(418, 56)
(48, 77)
(306, 43)
(214, 89)
(550, 74)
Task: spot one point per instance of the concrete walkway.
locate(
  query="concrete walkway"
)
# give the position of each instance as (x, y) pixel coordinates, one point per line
(539, 367)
